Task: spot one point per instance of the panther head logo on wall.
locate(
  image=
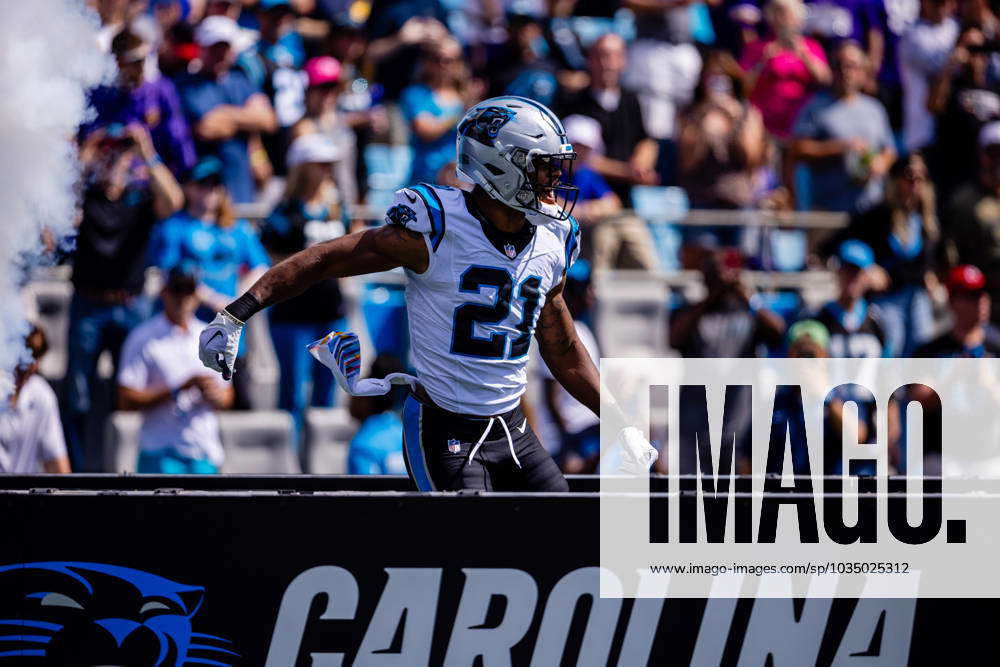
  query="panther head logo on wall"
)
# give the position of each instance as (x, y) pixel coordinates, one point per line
(83, 614)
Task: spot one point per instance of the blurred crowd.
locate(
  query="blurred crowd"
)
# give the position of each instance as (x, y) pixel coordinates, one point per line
(311, 112)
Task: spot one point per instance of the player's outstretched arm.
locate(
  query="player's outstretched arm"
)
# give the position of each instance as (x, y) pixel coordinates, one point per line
(369, 251)
(565, 354)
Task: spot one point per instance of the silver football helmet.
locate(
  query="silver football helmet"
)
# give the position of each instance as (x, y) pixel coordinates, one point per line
(517, 151)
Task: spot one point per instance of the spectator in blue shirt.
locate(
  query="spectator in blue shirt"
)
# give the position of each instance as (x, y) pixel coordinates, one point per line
(226, 110)
(273, 65)
(279, 42)
(845, 138)
(310, 212)
(207, 234)
(433, 108)
(377, 447)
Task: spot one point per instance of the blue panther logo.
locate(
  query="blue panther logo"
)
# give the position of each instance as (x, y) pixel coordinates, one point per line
(485, 126)
(82, 614)
(400, 214)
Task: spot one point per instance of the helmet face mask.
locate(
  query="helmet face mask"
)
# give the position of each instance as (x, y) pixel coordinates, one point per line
(544, 190)
(517, 151)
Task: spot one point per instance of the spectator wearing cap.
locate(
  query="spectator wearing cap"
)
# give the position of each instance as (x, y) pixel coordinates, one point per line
(904, 235)
(433, 106)
(161, 377)
(207, 234)
(273, 64)
(970, 334)
(810, 339)
(324, 117)
(226, 250)
(126, 189)
(630, 154)
(154, 104)
(854, 324)
(973, 214)
(616, 239)
(309, 212)
(225, 109)
(729, 321)
(845, 138)
(31, 436)
(279, 42)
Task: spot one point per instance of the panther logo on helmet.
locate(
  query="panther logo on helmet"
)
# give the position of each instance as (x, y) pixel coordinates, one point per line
(485, 127)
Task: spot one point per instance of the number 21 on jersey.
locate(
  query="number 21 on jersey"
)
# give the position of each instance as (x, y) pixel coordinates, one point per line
(464, 340)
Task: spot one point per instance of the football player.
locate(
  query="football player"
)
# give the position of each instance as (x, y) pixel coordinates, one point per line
(485, 273)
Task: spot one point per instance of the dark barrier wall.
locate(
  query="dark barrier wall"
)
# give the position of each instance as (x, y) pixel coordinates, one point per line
(396, 580)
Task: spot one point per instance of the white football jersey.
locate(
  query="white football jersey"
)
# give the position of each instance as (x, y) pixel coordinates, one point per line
(473, 311)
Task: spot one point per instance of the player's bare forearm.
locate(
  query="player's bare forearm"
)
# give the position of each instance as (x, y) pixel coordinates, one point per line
(368, 251)
(565, 354)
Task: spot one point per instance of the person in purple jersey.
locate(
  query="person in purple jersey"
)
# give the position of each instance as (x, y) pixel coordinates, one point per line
(152, 103)
(833, 21)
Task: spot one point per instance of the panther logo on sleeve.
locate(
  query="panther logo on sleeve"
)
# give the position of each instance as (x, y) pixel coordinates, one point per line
(400, 214)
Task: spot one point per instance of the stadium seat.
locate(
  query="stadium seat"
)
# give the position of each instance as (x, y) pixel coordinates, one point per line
(121, 441)
(327, 434)
(258, 442)
(631, 314)
(255, 442)
(662, 207)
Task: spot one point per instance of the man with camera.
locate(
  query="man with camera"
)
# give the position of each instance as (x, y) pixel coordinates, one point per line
(127, 189)
(964, 98)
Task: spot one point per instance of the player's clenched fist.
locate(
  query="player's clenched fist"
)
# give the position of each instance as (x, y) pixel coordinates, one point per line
(219, 343)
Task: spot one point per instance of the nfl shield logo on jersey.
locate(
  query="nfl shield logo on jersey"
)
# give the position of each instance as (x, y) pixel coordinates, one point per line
(454, 446)
(510, 250)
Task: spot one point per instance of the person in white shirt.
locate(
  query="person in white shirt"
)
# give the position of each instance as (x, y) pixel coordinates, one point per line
(161, 376)
(31, 437)
(922, 52)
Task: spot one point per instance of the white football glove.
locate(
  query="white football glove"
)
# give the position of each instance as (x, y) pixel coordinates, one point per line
(638, 455)
(219, 343)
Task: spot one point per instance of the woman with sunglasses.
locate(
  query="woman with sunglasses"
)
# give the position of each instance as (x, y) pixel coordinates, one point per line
(903, 232)
(433, 106)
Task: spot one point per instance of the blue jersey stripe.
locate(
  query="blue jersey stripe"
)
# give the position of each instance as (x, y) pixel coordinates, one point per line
(572, 240)
(411, 441)
(435, 211)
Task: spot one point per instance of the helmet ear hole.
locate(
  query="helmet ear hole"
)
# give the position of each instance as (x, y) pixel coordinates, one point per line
(496, 171)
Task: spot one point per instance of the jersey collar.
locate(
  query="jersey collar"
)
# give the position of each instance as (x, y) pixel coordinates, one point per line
(508, 244)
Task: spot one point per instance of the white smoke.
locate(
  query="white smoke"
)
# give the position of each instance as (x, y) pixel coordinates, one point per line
(49, 57)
